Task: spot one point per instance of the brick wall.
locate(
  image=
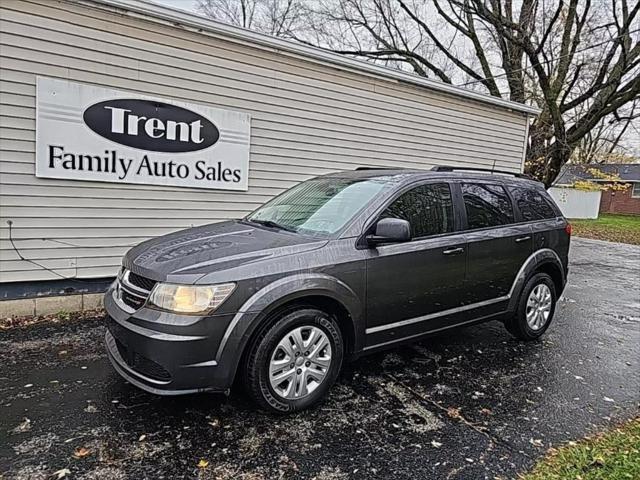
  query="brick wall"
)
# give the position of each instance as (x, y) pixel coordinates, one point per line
(619, 202)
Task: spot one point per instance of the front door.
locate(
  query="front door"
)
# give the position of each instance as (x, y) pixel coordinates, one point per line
(409, 284)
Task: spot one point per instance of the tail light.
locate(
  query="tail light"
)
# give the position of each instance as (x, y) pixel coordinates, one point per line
(568, 229)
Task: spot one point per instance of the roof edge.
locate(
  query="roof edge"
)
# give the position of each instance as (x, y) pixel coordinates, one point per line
(177, 16)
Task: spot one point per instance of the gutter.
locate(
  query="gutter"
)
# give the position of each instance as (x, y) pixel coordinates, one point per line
(176, 17)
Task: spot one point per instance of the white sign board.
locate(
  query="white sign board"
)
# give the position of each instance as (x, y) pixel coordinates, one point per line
(102, 135)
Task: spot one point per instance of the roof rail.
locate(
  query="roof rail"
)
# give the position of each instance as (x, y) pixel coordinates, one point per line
(450, 168)
(379, 168)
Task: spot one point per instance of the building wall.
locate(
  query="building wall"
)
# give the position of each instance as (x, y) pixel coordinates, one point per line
(621, 201)
(576, 203)
(308, 119)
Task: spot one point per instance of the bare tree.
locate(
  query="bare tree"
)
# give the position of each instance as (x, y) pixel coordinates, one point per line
(603, 142)
(274, 17)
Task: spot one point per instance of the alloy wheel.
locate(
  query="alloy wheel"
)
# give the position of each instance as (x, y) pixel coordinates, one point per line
(300, 362)
(539, 306)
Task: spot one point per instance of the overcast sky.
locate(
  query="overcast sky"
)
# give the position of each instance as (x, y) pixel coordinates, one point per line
(183, 4)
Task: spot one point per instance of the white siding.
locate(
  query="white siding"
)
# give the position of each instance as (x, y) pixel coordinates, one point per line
(308, 118)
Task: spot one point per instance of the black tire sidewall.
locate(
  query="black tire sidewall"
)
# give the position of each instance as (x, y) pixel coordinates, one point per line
(522, 328)
(261, 388)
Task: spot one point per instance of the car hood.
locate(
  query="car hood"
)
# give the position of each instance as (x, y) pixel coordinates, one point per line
(187, 255)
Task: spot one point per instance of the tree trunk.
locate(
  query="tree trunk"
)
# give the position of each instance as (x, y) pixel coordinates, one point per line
(546, 154)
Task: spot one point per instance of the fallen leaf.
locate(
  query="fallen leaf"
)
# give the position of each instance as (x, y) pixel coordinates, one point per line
(453, 412)
(536, 442)
(435, 444)
(142, 437)
(203, 463)
(25, 426)
(63, 472)
(81, 452)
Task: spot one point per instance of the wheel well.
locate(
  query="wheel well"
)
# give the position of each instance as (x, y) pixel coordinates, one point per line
(555, 273)
(321, 302)
(333, 307)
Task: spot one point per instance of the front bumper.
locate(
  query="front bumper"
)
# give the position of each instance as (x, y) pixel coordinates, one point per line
(167, 354)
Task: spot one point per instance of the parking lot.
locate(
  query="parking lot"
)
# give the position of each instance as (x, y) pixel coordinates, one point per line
(466, 404)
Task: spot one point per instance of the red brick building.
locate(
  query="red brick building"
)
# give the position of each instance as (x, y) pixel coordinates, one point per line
(612, 201)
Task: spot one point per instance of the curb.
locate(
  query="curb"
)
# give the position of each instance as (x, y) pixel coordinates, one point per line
(50, 305)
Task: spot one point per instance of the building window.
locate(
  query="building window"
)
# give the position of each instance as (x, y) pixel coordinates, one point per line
(635, 190)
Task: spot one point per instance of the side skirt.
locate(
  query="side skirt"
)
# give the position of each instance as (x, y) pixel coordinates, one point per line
(417, 336)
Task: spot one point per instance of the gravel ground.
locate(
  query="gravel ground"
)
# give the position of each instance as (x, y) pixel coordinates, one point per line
(469, 404)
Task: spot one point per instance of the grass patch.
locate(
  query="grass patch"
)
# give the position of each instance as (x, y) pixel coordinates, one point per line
(613, 455)
(613, 228)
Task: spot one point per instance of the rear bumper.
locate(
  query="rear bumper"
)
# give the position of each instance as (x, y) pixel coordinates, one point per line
(168, 354)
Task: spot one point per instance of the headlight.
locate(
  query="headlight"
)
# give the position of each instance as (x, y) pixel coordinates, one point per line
(190, 298)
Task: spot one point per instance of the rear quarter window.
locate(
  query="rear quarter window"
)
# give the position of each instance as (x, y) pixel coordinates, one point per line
(533, 204)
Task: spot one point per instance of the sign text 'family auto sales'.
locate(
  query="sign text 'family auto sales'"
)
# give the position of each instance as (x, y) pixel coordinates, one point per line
(97, 134)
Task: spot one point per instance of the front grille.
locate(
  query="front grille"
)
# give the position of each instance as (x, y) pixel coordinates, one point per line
(141, 282)
(132, 301)
(134, 290)
(142, 364)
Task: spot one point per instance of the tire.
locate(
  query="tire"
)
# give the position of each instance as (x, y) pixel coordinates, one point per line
(288, 343)
(532, 329)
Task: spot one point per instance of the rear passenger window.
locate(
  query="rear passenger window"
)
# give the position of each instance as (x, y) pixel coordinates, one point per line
(532, 204)
(486, 205)
(428, 208)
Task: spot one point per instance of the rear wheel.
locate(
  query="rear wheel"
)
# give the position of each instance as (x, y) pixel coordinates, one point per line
(292, 365)
(535, 310)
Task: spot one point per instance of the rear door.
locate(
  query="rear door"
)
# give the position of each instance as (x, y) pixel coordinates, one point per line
(498, 244)
(407, 281)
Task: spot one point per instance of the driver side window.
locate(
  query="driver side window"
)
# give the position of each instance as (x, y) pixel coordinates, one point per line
(428, 208)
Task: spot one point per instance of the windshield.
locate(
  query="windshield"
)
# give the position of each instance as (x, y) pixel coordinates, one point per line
(321, 206)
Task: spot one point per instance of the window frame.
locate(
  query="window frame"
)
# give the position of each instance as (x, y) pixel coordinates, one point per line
(517, 217)
(550, 203)
(457, 222)
(633, 188)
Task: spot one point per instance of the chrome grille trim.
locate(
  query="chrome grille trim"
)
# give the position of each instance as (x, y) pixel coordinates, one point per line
(124, 285)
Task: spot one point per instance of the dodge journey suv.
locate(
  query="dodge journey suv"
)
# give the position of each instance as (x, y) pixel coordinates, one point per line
(336, 267)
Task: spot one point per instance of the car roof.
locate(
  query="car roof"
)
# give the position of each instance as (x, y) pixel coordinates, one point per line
(408, 175)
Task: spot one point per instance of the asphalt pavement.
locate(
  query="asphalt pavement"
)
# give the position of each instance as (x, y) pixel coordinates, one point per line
(467, 404)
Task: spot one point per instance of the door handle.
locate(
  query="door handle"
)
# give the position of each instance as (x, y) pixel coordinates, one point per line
(523, 239)
(453, 251)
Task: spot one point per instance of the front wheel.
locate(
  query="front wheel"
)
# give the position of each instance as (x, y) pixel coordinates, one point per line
(535, 310)
(295, 362)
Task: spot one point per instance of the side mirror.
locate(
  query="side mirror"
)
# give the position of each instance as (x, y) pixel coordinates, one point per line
(390, 230)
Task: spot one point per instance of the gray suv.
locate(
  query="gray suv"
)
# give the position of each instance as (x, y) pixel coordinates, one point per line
(336, 267)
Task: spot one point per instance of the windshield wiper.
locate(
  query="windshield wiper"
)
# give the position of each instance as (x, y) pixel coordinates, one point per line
(272, 224)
